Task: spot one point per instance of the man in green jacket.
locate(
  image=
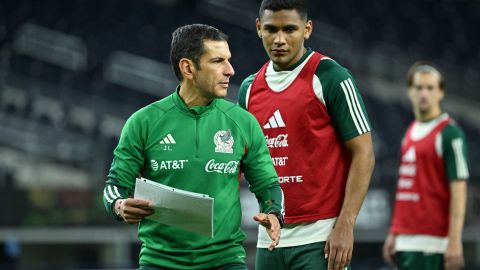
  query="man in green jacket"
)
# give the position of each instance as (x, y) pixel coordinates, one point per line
(195, 141)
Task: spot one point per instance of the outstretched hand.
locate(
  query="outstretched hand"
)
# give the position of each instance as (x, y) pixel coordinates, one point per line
(134, 210)
(272, 225)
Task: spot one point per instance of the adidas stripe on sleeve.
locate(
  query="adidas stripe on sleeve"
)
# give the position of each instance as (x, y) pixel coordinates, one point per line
(111, 193)
(356, 111)
(126, 164)
(455, 152)
(342, 99)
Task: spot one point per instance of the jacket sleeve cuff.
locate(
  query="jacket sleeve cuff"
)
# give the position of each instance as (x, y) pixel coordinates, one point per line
(271, 201)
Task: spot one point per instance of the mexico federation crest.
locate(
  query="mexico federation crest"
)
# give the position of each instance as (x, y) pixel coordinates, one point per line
(223, 142)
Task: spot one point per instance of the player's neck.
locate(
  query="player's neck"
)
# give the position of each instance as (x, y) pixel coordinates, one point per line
(293, 63)
(191, 96)
(428, 115)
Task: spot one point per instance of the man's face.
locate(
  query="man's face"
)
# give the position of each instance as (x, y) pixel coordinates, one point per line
(214, 71)
(283, 33)
(425, 93)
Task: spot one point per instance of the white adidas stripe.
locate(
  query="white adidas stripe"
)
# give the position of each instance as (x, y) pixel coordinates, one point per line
(350, 107)
(352, 96)
(110, 191)
(108, 194)
(272, 122)
(460, 163)
(354, 107)
(279, 119)
(275, 121)
(116, 191)
(367, 127)
(105, 194)
(168, 140)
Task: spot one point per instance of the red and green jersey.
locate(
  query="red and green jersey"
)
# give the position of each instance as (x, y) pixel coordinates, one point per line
(307, 113)
(199, 149)
(432, 154)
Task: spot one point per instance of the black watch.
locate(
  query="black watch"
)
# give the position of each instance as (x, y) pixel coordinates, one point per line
(279, 217)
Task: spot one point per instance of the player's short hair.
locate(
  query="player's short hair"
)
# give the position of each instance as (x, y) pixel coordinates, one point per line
(187, 42)
(425, 67)
(276, 5)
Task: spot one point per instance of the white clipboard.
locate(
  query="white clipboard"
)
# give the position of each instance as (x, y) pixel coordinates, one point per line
(176, 207)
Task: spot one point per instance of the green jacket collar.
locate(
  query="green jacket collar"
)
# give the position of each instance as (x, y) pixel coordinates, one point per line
(196, 111)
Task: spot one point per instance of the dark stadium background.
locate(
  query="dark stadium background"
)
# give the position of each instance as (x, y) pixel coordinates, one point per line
(71, 72)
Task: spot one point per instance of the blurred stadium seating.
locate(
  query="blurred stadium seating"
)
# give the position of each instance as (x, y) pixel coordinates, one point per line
(71, 72)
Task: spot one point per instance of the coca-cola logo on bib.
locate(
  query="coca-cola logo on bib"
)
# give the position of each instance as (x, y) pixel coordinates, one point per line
(222, 167)
(277, 142)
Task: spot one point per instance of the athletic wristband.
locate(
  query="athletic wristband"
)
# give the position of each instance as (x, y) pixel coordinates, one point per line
(279, 217)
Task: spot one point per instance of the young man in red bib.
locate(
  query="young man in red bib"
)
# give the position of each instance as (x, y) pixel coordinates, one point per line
(430, 201)
(318, 134)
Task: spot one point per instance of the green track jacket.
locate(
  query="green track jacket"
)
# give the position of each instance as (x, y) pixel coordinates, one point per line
(199, 149)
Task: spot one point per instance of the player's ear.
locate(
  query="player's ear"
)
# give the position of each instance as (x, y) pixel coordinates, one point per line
(308, 29)
(410, 93)
(187, 68)
(258, 24)
(442, 94)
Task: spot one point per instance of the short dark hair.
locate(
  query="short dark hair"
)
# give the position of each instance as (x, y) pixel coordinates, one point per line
(187, 42)
(425, 67)
(276, 5)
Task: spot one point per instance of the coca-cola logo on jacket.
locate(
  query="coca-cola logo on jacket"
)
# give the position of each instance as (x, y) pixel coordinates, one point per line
(222, 167)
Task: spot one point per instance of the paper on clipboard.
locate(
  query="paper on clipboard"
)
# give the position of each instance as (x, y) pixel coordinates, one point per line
(175, 207)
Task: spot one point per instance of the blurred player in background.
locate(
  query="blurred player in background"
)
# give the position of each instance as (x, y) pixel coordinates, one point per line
(430, 202)
(318, 132)
(196, 141)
